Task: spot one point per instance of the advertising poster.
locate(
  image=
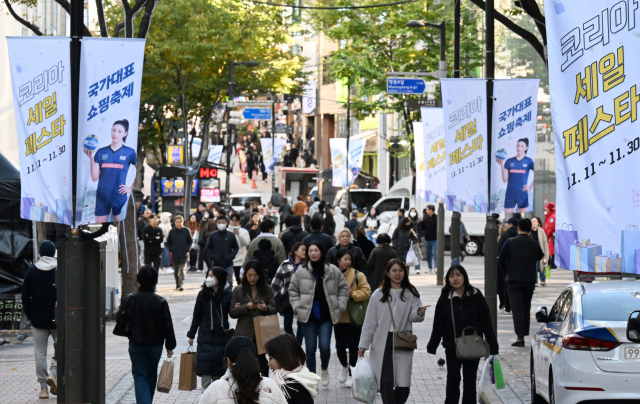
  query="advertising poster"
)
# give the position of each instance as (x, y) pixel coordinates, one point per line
(175, 155)
(267, 152)
(215, 153)
(465, 112)
(595, 89)
(109, 105)
(338, 148)
(435, 155)
(40, 77)
(418, 141)
(309, 99)
(514, 144)
(356, 155)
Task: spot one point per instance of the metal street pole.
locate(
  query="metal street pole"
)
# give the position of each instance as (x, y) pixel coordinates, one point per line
(227, 204)
(273, 143)
(440, 246)
(490, 230)
(346, 194)
(455, 237)
(456, 40)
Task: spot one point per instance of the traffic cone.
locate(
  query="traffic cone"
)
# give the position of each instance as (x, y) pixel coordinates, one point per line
(253, 184)
(244, 177)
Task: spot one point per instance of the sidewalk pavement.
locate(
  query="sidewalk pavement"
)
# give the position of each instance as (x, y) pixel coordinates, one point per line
(18, 381)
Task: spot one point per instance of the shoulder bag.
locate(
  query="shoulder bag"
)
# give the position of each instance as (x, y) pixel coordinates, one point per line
(123, 318)
(402, 340)
(357, 310)
(468, 346)
(228, 333)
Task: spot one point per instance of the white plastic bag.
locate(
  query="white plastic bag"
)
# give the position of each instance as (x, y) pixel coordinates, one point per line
(485, 389)
(365, 386)
(194, 243)
(412, 259)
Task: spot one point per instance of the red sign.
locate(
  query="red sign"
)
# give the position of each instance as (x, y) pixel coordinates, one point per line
(209, 195)
(206, 172)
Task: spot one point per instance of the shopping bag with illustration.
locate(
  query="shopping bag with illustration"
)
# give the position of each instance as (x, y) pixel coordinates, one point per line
(630, 243)
(188, 378)
(497, 373)
(583, 256)
(365, 387)
(485, 389)
(565, 237)
(411, 259)
(165, 378)
(266, 328)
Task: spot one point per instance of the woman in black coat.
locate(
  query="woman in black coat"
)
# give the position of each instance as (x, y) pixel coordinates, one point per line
(470, 309)
(402, 238)
(210, 320)
(364, 243)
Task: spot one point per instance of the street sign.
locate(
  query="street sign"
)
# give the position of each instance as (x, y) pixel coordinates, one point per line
(405, 85)
(417, 104)
(257, 113)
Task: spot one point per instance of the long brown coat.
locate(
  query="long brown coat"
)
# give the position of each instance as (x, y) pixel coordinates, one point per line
(245, 316)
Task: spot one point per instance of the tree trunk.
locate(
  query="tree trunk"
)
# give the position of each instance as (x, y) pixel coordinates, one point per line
(128, 241)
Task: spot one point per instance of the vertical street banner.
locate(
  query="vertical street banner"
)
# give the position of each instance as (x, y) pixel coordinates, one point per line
(435, 155)
(109, 105)
(41, 81)
(513, 144)
(215, 154)
(595, 90)
(309, 101)
(465, 114)
(418, 141)
(356, 155)
(268, 153)
(338, 148)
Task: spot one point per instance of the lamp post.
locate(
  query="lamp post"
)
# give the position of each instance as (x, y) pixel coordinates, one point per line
(442, 67)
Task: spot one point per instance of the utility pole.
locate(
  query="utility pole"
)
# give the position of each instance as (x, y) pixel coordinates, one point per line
(346, 194)
(456, 40)
(440, 246)
(455, 237)
(273, 141)
(227, 204)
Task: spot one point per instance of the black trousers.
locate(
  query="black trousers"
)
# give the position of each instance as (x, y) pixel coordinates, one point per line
(236, 271)
(520, 295)
(153, 260)
(389, 394)
(347, 336)
(193, 259)
(469, 371)
(502, 291)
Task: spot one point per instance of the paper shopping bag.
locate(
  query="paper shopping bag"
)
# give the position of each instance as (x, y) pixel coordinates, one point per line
(266, 327)
(565, 238)
(188, 378)
(630, 243)
(165, 378)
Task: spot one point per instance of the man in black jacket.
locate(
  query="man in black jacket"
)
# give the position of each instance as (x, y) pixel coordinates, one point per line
(152, 237)
(352, 223)
(519, 259)
(430, 227)
(318, 235)
(39, 301)
(293, 234)
(143, 221)
(179, 244)
(222, 247)
(512, 231)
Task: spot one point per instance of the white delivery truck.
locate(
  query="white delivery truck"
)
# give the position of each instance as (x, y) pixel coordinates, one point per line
(402, 195)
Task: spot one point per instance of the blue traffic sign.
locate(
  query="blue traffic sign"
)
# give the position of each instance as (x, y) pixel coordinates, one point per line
(257, 113)
(405, 85)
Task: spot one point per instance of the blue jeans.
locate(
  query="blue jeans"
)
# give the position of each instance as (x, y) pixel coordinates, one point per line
(370, 237)
(432, 248)
(314, 331)
(144, 367)
(165, 258)
(542, 274)
(288, 325)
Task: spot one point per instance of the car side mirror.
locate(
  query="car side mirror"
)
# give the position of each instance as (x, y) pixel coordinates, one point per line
(633, 327)
(542, 316)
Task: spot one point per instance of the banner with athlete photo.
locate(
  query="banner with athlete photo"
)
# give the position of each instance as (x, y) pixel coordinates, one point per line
(356, 155)
(595, 89)
(338, 148)
(268, 154)
(435, 155)
(109, 105)
(513, 146)
(465, 112)
(40, 76)
(418, 141)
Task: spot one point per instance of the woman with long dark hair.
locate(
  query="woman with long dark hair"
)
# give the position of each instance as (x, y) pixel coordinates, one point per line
(253, 227)
(392, 307)
(242, 382)
(402, 238)
(252, 298)
(210, 320)
(280, 284)
(470, 309)
(287, 361)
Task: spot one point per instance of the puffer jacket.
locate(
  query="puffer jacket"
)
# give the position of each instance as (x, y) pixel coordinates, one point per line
(292, 236)
(359, 262)
(150, 322)
(303, 287)
(222, 247)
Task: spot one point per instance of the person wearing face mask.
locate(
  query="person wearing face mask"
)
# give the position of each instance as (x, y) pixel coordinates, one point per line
(402, 238)
(242, 235)
(210, 320)
(222, 247)
(205, 228)
(415, 225)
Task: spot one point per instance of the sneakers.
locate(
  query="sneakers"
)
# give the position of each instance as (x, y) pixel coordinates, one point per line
(53, 384)
(344, 374)
(543, 283)
(348, 383)
(44, 393)
(519, 344)
(169, 271)
(324, 374)
(180, 288)
(417, 272)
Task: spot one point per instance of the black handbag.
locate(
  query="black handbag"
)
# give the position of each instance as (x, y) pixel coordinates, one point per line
(123, 318)
(228, 333)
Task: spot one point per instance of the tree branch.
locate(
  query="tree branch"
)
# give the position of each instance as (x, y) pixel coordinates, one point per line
(67, 7)
(104, 31)
(116, 31)
(146, 19)
(21, 20)
(532, 10)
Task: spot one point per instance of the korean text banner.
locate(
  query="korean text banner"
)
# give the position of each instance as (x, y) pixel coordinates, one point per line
(514, 143)
(594, 86)
(465, 112)
(435, 155)
(418, 141)
(338, 148)
(356, 155)
(215, 153)
(268, 154)
(109, 104)
(40, 75)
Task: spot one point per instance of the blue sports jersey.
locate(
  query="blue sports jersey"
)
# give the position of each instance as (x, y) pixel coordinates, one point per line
(114, 166)
(518, 174)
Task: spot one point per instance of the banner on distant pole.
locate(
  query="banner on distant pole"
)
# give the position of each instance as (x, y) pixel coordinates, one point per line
(41, 81)
(309, 101)
(465, 111)
(338, 148)
(109, 107)
(513, 144)
(215, 154)
(595, 90)
(356, 155)
(418, 141)
(435, 155)
(268, 154)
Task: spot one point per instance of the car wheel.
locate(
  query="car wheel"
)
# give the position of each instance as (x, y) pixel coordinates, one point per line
(535, 397)
(552, 394)
(473, 247)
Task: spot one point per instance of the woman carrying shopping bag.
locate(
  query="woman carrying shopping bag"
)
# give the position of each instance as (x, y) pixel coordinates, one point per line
(348, 333)
(253, 298)
(402, 238)
(210, 321)
(280, 284)
(470, 309)
(392, 309)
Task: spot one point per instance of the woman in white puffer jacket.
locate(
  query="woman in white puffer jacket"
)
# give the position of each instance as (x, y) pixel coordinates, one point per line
(340, 220)
(386, 227)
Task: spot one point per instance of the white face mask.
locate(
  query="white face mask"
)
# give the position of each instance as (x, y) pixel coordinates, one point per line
(211, 282)
(222, 226)
(206, 215)
(412, 214)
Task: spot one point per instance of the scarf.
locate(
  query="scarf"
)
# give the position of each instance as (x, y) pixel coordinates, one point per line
(301, 375)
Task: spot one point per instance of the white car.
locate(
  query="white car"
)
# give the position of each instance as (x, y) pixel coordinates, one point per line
(581, 354)
(238, 200)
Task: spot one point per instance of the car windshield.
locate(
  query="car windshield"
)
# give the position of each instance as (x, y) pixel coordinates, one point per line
(598, 307)
(239, 201)
(363, 201)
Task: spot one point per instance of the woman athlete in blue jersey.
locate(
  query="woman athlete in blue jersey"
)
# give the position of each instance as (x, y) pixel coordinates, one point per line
(515, 172)
(109, 167)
